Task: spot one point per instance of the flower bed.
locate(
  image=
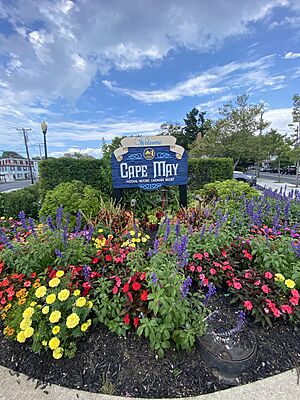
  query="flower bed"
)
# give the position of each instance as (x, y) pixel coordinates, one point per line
(60, 287)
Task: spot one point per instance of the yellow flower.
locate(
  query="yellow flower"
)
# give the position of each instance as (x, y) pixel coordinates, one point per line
(81, 301)
(21, 337)
(147, 237)
(45, 310)
(56, 330)
(72, 320)
(57, 353)
(138, 240)
(132, 233)
(25, 323)
(100, 230)
(132, 245)
(50, 299)
(110, 236)
(40, 292)
(28, 332)
(63, 294)
(28, 312)
(10, 218)
(90, 304)
(139, 234)
(89, 322)
(133, 240)
(279, 277)
(84, 327)
(290, 283)
(33, 303)
(144, 240)
(76, 292)
(59, 274)
(54, 343)
(54, 282)
(44, 342)
(55, 316)
(2, 218)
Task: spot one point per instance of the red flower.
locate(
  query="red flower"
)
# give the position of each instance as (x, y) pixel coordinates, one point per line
(27, 284)
(5, 282)
(130, 297)
(143, 276)
(126, 288)
(229, 283)
(136, 286)
(265, 289)
(286, 309)
(213, 271)
(9, 289)
(108, 257)
(3, 301)
(247, 255)
(224, 254)
(95, 260)
(126, 319)
(268, 275)
(33, 275)
(136, 322)
(115, 290)
(144, 295)
(248, 305)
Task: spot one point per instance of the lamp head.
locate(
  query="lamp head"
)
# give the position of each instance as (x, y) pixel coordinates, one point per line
(44, 127)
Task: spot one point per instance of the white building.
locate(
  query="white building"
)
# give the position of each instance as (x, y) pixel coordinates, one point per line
(16, 168)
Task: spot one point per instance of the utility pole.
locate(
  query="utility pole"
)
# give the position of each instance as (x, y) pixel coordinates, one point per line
(297, 146)
(24, 131)
(40, 147)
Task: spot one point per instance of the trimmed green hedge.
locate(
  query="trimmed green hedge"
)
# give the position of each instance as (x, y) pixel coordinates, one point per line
(97, 173)
(205, 170)
(26, 199)
(58, 170)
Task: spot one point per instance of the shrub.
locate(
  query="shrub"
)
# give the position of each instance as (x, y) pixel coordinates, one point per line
(27, 199)
(228, 189)
(205, 170)
(59, 170)
(73, 196)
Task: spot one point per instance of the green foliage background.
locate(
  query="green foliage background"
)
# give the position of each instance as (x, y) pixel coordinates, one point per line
(205, 170)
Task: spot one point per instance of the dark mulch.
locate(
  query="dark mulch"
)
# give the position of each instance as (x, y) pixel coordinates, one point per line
(126, 366)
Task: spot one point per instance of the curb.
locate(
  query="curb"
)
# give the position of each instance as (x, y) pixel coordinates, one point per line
(17, 386)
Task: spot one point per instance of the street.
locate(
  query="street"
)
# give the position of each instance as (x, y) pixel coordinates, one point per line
(8, 186)
(283, 178)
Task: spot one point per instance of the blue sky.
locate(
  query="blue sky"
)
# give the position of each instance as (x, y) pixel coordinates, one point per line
(96, 68)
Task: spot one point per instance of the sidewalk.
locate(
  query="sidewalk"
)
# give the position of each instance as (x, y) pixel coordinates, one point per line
(269, 184)
(15, 386)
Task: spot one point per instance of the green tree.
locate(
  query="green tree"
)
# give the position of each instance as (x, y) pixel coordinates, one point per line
(234, 134)
(296, 118)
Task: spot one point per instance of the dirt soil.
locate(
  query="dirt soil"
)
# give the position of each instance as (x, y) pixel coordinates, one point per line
(106, 363)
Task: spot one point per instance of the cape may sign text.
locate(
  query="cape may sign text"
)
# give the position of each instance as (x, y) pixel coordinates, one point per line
(149, 163)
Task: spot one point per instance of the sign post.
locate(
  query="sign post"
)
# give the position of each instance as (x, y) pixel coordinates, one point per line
(150, 163)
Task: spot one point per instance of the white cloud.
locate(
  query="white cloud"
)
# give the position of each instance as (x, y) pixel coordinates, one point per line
(215, 80)
(280, 118)
(291, 55)
(94, 152)
(103, 35)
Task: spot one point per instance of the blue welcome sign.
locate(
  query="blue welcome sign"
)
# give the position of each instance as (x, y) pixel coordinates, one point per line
(149, 163)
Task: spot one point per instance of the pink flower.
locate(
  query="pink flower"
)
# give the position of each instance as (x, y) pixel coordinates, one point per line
(294, 301)
(247, 255)
(213, 271)
(295, 293)
(198, 256)
(248, 305)
(216, 264)
(192, 268)
(205, 282)
(276, 312)
(224, 254)
(237, 285)
(229, 283)
(27, 284)
(248, 275)
(199, 269)
(115, 290)
(265, 289)
(118, 281)
(206, 255)
(286, 309)
(268, 275)
(257, 283)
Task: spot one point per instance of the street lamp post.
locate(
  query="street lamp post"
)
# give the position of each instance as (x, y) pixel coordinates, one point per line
(44, 130)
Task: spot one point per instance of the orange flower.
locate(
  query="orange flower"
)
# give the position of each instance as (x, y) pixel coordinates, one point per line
(36, 285)
(21, 301)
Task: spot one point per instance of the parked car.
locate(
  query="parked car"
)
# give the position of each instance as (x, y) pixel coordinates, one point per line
(240, 176)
